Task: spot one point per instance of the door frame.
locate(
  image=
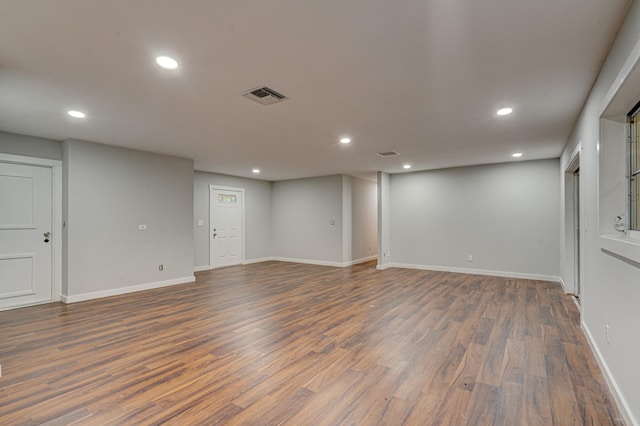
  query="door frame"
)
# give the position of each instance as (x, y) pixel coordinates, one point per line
(56, 214)
(573, 223)
(225, 188)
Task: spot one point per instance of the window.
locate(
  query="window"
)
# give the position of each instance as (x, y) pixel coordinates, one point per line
(634, 169)
(618, 166)
(226, 199)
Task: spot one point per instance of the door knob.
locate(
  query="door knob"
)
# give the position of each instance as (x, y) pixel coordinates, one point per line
(47, 236)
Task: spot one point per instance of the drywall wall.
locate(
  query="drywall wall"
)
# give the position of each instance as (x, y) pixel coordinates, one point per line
(506, 216)
(347, 219)
(610, 284)
(110, 192)
(30, 146)
(257, 208)
(364, 219)
(384, 221)
(307, 219)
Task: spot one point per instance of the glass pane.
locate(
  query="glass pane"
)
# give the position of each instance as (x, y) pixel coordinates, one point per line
(226, 199)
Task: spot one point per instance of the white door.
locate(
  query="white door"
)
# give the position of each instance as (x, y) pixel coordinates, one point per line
(25, 235)
(225, 230)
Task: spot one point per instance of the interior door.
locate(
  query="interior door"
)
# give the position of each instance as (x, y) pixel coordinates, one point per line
(226, 227)
(25, 235)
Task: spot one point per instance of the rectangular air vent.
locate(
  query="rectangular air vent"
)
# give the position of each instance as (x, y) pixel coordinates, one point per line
(387, 154)
(264, 95)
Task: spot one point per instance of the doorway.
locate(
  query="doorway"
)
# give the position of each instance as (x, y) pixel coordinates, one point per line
(576, 233)
(573, 231)
(226, 226)
(30, 231)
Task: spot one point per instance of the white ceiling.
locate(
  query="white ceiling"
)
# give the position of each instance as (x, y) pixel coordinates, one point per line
(421, 77)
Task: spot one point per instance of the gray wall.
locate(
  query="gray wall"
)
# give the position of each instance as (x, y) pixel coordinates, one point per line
(364, 219)
(110, 191)
(610, 285)
(347, 219)
(384, 220)
(257, 206)
(507, 216)
(302, 210)
(14, 144)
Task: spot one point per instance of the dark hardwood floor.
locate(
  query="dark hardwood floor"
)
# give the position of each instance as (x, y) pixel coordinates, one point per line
(281, 343)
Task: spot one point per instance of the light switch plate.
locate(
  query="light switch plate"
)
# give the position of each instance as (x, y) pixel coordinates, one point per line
(200, 222)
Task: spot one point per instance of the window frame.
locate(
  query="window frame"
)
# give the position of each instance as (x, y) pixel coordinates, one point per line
(633, 172)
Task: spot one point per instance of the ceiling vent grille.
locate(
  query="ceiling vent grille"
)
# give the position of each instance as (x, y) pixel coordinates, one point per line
(387, 154)
(264, 95)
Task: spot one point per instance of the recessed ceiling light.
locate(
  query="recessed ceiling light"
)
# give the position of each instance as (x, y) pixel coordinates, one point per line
(345, 140)
(505, 111)
(516, 155)
(166, 62)
(76, 114)
(406, 166)
(256, 171)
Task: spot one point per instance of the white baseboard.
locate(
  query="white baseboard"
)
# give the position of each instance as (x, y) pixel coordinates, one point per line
(201, 268)
(478, 272)
(324, 262)
(259, 260)
(309, 262)
(124, 290)
(383, 267)
(359, 261)
(564, 287)
(294, 260)
(623, 406)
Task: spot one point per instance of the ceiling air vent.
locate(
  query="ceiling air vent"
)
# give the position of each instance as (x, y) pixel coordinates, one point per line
(264, 95)
(387, 154)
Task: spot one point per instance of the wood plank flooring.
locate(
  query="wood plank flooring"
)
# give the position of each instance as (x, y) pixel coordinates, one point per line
(281, 343)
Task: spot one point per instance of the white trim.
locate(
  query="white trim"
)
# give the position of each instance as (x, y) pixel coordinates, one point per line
(623, 406)
(358, 261)
(383, 267)
(124, 290)
(621, 246)
(573, 261)
(505, 274)
(261, 259)
(309, 262)
(564, 287)
(56, 169)
(574, 165)
(324, 262)
(292, 260)
(213, 187)
(56, 214)
(29, 161)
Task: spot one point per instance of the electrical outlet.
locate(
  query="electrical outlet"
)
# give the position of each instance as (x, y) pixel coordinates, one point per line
(470, 258)
(607, 335)
(160, 267)
(142, 227)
